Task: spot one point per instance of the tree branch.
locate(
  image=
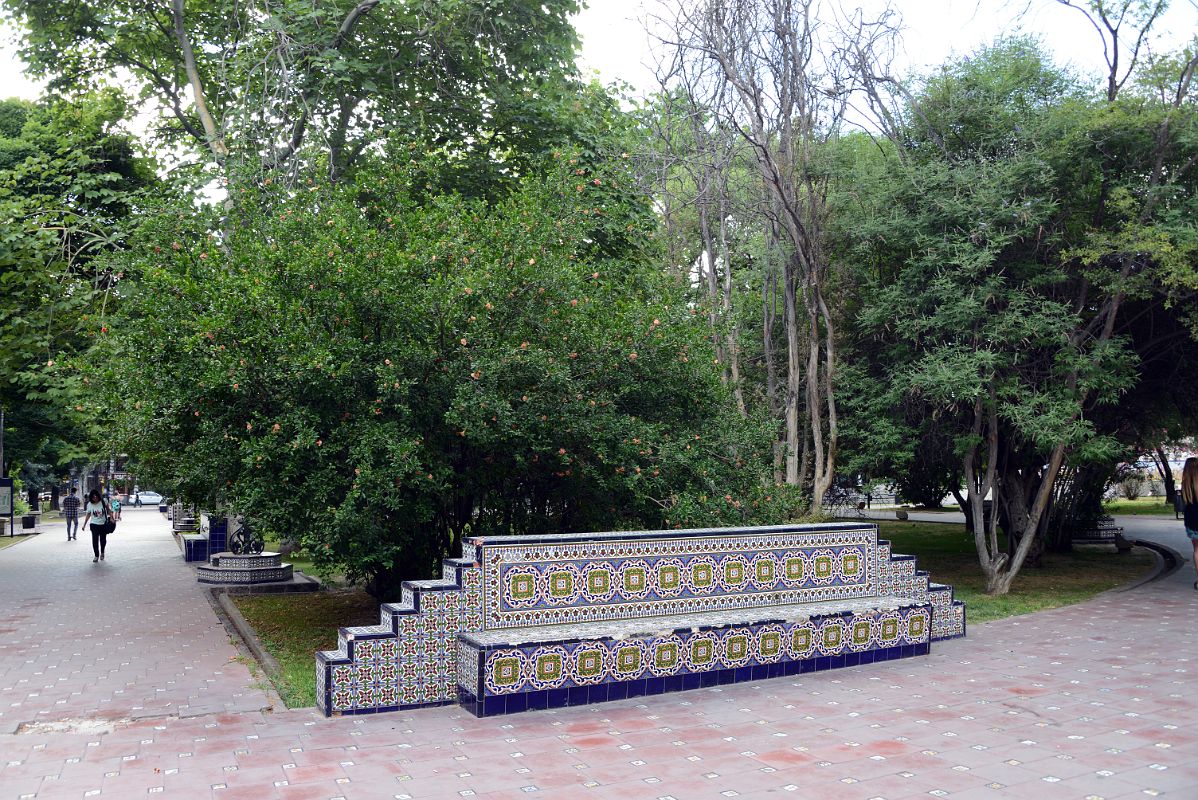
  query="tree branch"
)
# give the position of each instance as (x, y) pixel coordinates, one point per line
(215, 141)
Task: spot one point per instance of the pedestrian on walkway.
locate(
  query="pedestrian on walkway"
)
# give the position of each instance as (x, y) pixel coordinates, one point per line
(98, 514)
(116, 508)
(1189, 496)
(70, 511)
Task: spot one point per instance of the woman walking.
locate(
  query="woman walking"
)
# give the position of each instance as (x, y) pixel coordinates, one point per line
(1189, 496)
(96, 512)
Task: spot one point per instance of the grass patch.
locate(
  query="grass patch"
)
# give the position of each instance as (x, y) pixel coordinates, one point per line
(947, 553)
(302, 562)
(292, 627)
(1138, 507)
(9, 541)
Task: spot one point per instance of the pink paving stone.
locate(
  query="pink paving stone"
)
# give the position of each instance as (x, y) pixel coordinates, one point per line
(135, 637)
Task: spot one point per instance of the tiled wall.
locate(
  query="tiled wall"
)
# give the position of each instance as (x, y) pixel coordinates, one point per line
(898, 575)
(409, 658)
(556, 583)
(413, 656)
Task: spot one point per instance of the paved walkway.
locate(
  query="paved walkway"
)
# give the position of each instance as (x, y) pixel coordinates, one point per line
(1095, 700)
(130, 637)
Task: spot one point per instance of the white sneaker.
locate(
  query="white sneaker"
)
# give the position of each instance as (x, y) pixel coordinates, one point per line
(95, 559)
(101, 556)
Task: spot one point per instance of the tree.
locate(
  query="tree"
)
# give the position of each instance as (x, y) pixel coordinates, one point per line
(287, 84)
(767, 71)
(67, 199)
(1033, 220)
(379, 377)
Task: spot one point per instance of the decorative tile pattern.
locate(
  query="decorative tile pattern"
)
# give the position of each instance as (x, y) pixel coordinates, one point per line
(589, 662)
(560, 583)
(744, 596)
(243, 561)
(899, 575)
(243, 575)
(410, 658)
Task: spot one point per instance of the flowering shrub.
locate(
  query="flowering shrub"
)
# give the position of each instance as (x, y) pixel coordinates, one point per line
(376, 378)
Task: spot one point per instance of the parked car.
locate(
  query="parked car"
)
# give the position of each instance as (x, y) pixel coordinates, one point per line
(147, 498)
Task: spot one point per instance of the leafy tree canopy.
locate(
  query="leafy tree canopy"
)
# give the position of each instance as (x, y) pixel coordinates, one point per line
(68, 187)
(378, 377)
(1028, 224)
(289, 83)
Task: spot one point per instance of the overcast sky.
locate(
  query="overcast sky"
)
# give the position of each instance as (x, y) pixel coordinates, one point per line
(617, 47)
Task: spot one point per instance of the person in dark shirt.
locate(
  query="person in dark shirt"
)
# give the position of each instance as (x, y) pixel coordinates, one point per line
(1189, 496)
(70, 512)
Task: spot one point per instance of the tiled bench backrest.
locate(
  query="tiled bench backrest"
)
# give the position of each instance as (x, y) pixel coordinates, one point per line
(559, 580)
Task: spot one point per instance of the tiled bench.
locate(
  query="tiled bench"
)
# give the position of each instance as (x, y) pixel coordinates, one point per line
(195, 547)
(535, 622)
(211, 539)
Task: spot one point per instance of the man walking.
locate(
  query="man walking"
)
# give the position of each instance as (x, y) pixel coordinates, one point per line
(70, 510)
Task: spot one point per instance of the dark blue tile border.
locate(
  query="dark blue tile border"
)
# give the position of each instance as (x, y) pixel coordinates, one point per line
(586, 695)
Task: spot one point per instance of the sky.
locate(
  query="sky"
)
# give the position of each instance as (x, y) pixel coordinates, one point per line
(616, 46)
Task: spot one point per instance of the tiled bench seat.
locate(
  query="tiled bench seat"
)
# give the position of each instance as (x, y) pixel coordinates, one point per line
(518, 669)
(526, 622)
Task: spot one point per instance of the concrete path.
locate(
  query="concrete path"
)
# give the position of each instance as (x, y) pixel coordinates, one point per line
(1093, 701)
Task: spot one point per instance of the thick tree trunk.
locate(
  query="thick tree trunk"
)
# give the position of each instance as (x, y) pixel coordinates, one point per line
(1163, 467)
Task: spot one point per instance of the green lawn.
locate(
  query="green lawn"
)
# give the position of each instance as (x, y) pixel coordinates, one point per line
(1139, 506)
(292, 627)
(9, 541)
(947, 553)
(303, 563)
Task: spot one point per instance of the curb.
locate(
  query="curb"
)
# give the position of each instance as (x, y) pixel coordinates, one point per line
(244, 639)
(22, 538)
(268, 662)
(1167, 559)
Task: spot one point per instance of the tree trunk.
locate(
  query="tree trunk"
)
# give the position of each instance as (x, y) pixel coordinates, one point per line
(215, 139)
(732, 340)
(814, 410)
(1162, 465)
(769, 313)
(825, 453)
(794, 374)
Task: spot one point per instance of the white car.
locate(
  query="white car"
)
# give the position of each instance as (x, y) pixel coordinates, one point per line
(146, 498)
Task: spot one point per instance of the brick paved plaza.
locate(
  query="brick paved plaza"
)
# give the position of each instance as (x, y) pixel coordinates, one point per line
(118, 680)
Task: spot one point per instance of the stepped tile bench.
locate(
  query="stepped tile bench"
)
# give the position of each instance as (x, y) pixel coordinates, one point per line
(528, 622)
